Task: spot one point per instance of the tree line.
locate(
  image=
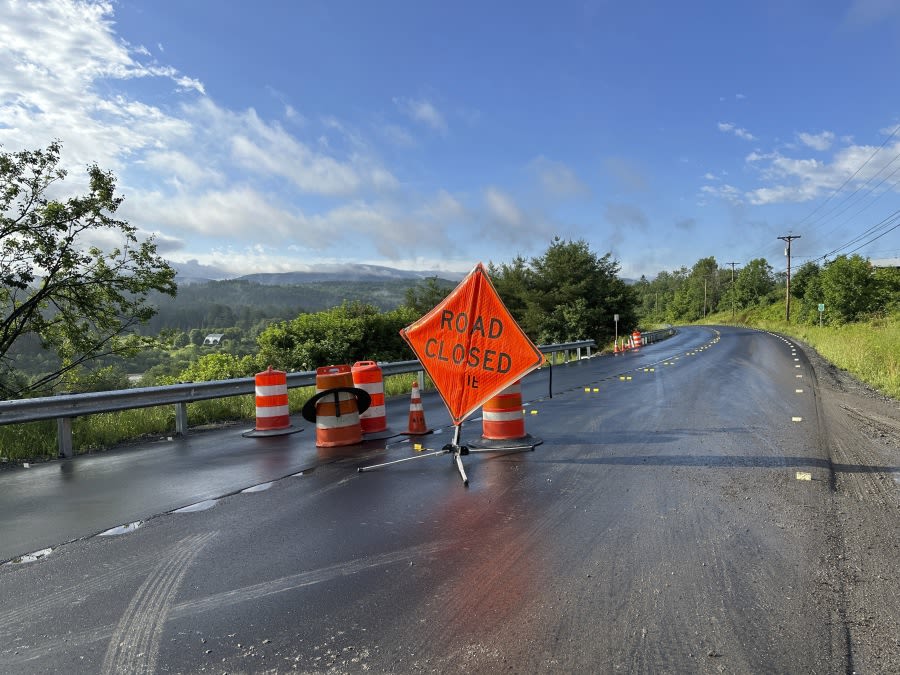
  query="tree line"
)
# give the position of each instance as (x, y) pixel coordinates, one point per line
(849, 287)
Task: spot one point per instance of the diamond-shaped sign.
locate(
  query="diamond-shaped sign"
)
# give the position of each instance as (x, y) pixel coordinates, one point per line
(471, 346)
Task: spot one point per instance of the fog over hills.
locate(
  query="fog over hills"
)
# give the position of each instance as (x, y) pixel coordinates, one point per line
(192, 271)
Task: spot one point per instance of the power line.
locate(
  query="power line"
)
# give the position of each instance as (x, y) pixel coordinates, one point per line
(834, 193)
(855, 174)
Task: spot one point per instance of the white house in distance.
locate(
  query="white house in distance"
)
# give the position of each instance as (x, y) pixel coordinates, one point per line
(213, 339)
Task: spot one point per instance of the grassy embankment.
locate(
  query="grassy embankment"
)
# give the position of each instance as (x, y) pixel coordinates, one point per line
(869, 350)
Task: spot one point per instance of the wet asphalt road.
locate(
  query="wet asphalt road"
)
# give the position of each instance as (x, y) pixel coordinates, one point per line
(666, 524)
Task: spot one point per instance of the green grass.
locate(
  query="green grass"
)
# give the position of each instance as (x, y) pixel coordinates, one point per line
(869, 350)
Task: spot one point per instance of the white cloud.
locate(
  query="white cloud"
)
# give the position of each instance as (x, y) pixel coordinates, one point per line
(626, 215)
(628, 176)
(862, 13)
(181, 168)
(444, 208)
(423, 111)
(709, 176)
(819, 142)
(60, 65)
(730, 127)
(725, 191)
(556, 178)
(502, 208)
(220, 184)
(397, 136)
(799, 180)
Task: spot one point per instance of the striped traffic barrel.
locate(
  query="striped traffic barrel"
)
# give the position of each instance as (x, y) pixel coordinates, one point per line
(501, 416)
(367, 376)
(635, 339)
(272, 411)
(337, 414)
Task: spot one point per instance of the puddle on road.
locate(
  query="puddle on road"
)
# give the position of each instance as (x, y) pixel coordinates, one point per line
(122, 529)
(205, 505)
(31, 557)
(257, 488)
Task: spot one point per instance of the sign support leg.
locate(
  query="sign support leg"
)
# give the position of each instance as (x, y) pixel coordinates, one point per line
(453, 447)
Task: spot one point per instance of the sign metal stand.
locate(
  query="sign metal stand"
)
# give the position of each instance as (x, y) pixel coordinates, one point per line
(452, 447)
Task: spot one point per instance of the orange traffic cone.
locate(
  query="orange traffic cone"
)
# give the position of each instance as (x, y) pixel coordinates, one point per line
(616, 349)
(417, 424)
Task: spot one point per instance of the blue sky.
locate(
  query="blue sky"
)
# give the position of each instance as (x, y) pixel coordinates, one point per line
(269, 136)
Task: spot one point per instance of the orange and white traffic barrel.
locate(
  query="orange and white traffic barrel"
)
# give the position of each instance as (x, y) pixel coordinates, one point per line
(272, 412)
(501, 416)
(367, 376)
(336, 411)
(503, 422)
(636, 339)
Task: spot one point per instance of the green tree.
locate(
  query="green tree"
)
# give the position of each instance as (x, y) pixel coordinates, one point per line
(699, 294)
(514, 282)
(801, 279)
(887, 280)
(83, 302)
(342, 335)
(218, 366)
(568, 293)
(849, 289)
(753, 283)
(428, 293)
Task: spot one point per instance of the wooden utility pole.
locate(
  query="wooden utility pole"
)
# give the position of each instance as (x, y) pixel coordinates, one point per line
(787, 305)
(732, 287)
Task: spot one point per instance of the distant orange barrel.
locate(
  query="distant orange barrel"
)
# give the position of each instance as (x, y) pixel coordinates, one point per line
(367, 375)
(272, 401)
(501, 416)
(337, 415)
(635, 339)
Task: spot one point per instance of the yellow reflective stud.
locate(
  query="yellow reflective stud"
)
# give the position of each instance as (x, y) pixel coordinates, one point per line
(417, 447)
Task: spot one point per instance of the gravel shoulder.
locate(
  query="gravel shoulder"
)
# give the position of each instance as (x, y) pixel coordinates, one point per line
(860, 430)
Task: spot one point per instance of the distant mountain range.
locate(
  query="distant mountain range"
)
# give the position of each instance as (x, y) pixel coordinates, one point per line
(192, 272)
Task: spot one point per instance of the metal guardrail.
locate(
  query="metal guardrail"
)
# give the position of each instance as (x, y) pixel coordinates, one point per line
(656, 335)
(64, 407)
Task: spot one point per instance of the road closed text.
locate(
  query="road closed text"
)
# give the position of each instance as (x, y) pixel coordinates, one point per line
(447, 349)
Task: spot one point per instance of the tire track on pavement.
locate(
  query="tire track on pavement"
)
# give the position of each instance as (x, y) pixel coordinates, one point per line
(134, 646)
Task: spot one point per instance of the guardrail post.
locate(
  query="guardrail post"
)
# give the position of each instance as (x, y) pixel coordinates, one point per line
(181, 421)
(64, 436)
(578, 353)
(421, 379)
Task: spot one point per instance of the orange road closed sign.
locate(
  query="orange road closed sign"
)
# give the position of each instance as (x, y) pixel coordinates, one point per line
(470, 345)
